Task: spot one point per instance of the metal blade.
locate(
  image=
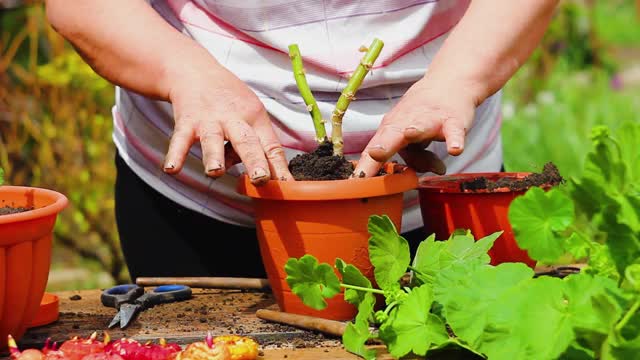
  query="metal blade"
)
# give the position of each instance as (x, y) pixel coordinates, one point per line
(127, 312)
(115, 321)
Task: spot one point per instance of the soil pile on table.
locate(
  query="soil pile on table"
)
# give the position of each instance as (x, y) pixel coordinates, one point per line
(550, 176)
(321, 164)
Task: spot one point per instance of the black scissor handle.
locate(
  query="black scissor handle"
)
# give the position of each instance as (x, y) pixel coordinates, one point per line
(118, 295)
(165, 294)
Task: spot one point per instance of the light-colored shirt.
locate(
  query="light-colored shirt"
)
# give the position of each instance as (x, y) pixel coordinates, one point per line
(251, 39)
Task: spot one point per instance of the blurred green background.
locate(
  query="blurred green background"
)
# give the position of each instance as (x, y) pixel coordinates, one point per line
(55, 123)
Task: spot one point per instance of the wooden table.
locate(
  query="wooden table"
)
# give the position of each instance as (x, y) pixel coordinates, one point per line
(218, 311)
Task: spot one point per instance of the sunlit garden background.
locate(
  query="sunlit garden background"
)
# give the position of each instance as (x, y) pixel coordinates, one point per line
(55, 124)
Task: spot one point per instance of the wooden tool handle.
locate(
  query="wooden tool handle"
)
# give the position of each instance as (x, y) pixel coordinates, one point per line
(207, 282)
(326, 326)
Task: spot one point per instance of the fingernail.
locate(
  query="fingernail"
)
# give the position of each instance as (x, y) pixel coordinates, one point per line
(215, 168)
(258, 174)
(169, 166)
(377, 147)
(456, 145)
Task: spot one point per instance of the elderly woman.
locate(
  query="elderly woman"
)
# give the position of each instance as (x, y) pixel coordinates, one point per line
(192, 75)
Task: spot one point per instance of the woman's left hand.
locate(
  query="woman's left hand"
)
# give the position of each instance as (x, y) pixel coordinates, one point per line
(429, 111)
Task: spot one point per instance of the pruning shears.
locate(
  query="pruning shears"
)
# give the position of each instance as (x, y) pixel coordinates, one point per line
(131, 299)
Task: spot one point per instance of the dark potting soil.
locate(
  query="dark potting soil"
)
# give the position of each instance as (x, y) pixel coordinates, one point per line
(7, 210)
(320, 164)
(549, 176)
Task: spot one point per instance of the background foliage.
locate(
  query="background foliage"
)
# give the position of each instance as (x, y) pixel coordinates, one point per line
(55, 123)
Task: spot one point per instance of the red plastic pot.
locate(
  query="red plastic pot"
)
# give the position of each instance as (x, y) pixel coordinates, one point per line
(25, 255)
(445, 207)
(327, 219)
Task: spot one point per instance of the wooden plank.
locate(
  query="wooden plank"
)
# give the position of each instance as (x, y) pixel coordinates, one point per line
(217, 311)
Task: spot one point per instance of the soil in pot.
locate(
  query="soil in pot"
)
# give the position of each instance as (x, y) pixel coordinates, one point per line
(321, 164)
(8, 210)
(550, 176)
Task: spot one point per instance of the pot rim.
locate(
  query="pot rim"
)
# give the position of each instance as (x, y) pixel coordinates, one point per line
(59, 202)
(450, 184)
(399, 179)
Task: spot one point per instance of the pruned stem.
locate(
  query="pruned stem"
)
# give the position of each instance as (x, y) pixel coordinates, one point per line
(349, 93)
(305, 92)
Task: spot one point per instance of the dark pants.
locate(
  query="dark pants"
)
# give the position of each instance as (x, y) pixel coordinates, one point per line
(161, 238)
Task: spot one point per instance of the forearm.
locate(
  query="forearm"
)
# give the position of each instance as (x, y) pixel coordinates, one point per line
(491, 42)
(128, 43)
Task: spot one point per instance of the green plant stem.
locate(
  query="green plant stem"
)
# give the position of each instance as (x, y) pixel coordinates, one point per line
(349, 94)
(360, 288)
(628, 315)
(305, 92)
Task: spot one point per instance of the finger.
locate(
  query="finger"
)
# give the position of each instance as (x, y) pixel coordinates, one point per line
(181, 140)
(274, 152)
(247, 145)
(387, 141)
(212, 141)
(422, 160)
(422, 131)
(454, 132)
(367, 166)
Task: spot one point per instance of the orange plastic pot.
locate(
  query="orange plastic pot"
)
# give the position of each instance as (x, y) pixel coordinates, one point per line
(327, 219)
(25, 255)
(445, 207)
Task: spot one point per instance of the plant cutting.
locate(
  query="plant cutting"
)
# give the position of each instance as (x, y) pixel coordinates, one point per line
(480, 202)
(27, 217)
(325, 211)
(455, 300)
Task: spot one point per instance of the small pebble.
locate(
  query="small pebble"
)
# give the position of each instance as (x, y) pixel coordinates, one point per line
(75, 297)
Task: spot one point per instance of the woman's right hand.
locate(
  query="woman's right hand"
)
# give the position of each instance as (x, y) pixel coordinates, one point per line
(212, 105)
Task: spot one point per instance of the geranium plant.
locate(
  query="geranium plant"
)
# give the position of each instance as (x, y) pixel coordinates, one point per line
(330, 146)
(455, 299)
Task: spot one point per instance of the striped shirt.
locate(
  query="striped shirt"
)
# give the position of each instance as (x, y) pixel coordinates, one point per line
(250, 38)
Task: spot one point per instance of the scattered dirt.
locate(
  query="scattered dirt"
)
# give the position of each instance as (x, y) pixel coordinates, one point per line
(549, 176)
(7, 210)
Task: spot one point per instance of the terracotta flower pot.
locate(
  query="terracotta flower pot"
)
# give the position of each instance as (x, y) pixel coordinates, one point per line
(25, 255)
(446, 207)
(327, 219)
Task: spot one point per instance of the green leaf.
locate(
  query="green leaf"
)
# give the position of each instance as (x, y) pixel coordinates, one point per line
(412, 328)
(1, 176)
(354, 340)
(432, 257)
(632, 276)
(352, 276)
(578, 352)
(594, 306)
(601, 262)
(578, 246)
(312, 282)
(501, 311)
(619, 347)
(357, 333)
(622, 242)
(538, 218)
(388, 251)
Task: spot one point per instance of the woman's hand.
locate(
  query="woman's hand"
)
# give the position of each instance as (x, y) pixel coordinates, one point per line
(120, 41)
(491, 41)
(429, 111)
(212, 105)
